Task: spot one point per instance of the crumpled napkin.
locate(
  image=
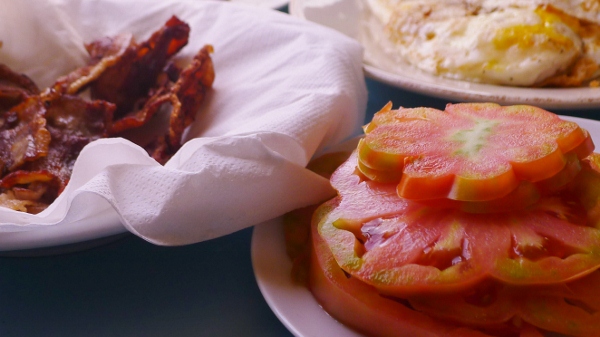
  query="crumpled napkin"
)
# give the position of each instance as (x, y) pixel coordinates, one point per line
(284, 90)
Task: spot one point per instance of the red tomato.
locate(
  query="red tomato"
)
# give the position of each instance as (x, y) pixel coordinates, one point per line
(587, 187)
(470, 151)
(572, 309)
(402, 247)
(390, 266)
(523, 196)
(360, 307)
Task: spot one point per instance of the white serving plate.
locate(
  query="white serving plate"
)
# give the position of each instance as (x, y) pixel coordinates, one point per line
(294, 304)
(90, 212)
(275, 4)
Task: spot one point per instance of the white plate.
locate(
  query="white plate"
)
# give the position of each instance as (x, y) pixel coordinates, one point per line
(73, 236)
(350, 18)
(115, 184)
(293, 304)
(275, 4)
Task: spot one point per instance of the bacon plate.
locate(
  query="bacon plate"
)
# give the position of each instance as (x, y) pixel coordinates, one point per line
(44, 132)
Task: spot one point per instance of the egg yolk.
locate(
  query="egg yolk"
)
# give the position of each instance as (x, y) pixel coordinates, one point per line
(526, 36)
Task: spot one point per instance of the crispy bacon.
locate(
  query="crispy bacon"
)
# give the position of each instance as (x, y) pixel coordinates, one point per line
(105, 52)
(43, 133)
(184, 96)
(138, 69)
(29, 191)
(72, 123)
(14, 88)
(10, 200)
(24, 134)
(190, 91)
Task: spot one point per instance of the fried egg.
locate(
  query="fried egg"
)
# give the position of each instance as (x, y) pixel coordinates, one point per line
(506, 42)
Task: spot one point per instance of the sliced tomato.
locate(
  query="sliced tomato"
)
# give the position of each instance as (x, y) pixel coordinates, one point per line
(488, 303)
(402, 247)
(572, 308)
(470, 151)
(587, 187)
(523, 196)
(360, 307)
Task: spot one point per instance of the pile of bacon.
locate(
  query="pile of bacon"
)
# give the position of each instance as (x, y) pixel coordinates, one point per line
(43, 132)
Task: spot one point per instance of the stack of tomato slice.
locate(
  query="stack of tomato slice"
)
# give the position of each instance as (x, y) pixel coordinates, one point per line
(474, 221)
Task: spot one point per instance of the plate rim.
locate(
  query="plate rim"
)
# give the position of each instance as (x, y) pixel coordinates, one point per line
(73, 236)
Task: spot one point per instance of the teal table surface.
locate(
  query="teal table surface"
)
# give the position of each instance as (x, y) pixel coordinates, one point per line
(129, 287)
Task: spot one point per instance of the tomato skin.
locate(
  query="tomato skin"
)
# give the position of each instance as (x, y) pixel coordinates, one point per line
(525, 195)
(470, 151)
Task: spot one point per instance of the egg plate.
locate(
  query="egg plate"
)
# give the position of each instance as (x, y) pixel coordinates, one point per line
(352, 18)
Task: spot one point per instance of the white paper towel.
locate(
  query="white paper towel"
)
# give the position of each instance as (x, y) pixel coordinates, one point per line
(284, 89)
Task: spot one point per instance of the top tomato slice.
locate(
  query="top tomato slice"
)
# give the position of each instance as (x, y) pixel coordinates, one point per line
(470, 151)
(402, 247)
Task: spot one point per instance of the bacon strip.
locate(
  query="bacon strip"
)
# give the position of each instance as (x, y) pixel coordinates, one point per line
(137, 70)
(185, 97)
(24, 134)
(71, 123)
(14, 88)
(105, 52)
